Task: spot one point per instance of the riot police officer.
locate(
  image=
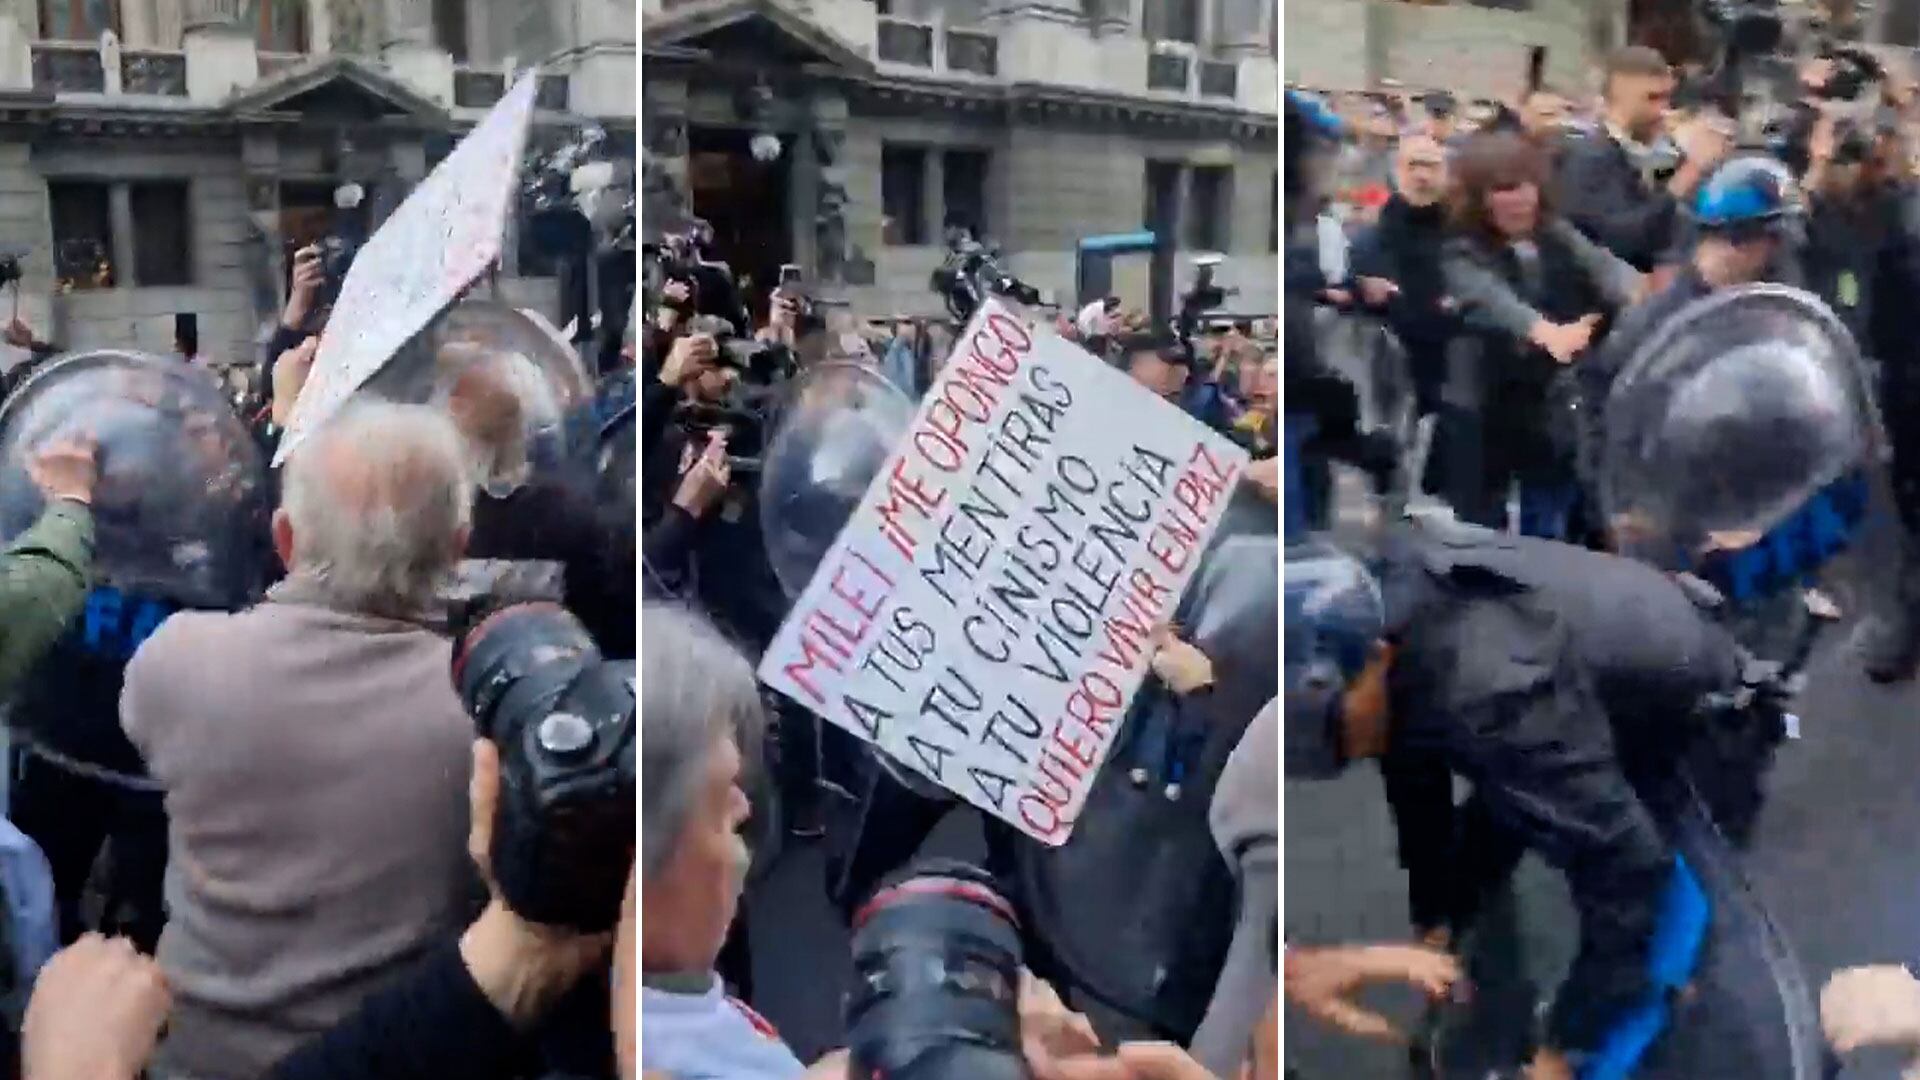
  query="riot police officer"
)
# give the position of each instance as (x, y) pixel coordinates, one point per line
(1748, 218)
(1556, 680)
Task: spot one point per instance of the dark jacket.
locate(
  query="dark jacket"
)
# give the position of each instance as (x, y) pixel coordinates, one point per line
(546, 520)
(1842, 259)
(1405, 248)
(1606, 198)
(436, 1023)
(1550, 677)
(1492, 366)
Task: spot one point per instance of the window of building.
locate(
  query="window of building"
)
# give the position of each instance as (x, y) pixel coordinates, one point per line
(78, 20)
(280, 26)
(964, 180)
(1162, 210)
(1902, 25)
(450, 27)
(82, 234)
(163, 233)
(903, 175)
(1172, 20)
(1210, 200)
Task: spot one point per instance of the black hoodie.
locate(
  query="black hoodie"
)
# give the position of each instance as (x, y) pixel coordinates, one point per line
(1404, 247)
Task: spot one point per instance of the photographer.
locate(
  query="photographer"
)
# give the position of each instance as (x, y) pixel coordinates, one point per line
(301, 317)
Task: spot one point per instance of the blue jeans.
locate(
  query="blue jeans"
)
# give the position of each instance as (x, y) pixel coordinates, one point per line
(1546, 509)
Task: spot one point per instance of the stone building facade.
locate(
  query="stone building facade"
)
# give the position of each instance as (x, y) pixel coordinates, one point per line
(1477, 48)
(1037, 123)
(161, 158)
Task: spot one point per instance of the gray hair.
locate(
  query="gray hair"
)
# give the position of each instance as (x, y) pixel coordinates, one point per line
(697, 689)
(379, 501)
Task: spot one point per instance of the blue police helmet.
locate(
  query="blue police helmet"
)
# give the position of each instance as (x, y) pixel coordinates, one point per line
(1332, 620)
(1749, 193)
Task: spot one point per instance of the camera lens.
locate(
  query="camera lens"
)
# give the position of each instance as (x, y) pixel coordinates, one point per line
(937, 979)
(494, 661)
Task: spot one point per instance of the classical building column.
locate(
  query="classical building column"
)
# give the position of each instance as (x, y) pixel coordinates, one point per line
(827, 119)
(266, 256)
(221, 55)
(665, 199)
(19, 22)
(1240, 27)
(410, 52)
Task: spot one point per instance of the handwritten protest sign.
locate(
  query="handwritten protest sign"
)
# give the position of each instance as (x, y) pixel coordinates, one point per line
(440, 241)
(987, 614)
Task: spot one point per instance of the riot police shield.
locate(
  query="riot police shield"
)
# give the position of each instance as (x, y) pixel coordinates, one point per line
(1748, 1011)
(180, 516)
(1121, 906)
(515, 353)
(835, 431)
(618, 466)
(1741, 443)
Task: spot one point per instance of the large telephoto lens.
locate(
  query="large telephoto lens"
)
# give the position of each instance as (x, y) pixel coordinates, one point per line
(937, 980)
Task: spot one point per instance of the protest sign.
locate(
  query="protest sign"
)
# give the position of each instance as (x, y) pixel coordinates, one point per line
(442, 239)
(988, 612)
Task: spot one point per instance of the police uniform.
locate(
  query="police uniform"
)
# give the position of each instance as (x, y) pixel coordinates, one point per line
(1558, 681)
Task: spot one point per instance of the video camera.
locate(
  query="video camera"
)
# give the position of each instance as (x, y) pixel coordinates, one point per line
(1201, 297)
(972, 273)
(758, 362)
(9, 268)
(937, 958)
(564, 720)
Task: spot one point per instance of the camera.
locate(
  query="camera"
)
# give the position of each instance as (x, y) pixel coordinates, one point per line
(564, 720)
(1203, 296)
(971, 274)
(744, 430)
(9, 268)
(936, 991)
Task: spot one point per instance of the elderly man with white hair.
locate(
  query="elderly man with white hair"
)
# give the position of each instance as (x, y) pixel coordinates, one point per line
(314, 755)
(701, 717)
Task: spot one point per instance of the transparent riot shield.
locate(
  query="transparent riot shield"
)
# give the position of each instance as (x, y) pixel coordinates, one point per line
(510, 349)
(180, 516)
(1742, 444)
(835, 431)
(1126, 907)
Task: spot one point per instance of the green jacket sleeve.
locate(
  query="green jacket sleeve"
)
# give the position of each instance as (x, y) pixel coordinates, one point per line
(44, 578)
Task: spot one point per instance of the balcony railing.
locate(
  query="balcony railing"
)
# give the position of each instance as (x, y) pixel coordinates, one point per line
(973, 51)
(68, 67)
(1168, 71)
(161, 73)
(1219, 78)
(906, 43)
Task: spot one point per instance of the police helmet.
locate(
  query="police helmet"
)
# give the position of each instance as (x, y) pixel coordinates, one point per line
(1748, 197)
(1333, 620)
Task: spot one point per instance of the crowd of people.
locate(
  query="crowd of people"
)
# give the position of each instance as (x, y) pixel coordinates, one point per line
(720, 376)
(261, 832)
(1530, 282)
